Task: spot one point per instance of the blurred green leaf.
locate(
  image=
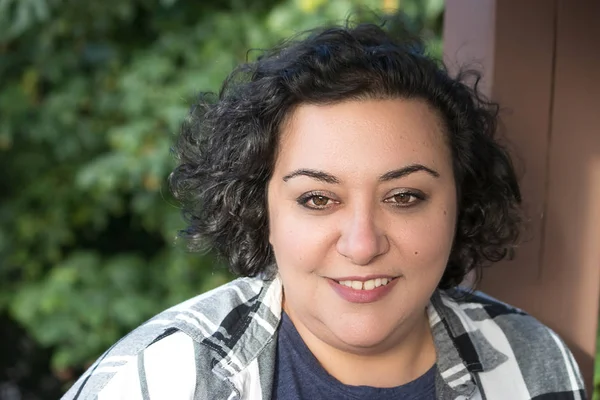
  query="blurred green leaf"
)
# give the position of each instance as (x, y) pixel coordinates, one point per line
(91, 95)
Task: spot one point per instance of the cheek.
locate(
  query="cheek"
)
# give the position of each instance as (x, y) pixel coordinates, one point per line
(299, 244)
(427, 242)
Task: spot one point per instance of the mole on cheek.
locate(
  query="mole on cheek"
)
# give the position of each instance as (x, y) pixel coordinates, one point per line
(416, 252)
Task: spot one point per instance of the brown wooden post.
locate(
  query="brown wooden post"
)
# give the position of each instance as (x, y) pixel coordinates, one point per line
(541, 62)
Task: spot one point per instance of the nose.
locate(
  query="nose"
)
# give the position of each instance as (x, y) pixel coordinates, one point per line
(362, 239)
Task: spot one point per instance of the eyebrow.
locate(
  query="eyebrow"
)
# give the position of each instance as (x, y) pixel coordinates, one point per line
(311, 173)
(409, 169)
(388, 176)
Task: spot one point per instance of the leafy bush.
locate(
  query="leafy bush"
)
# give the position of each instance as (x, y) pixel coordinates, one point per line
(91, 95)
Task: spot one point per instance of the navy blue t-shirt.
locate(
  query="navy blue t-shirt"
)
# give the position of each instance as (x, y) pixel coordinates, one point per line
(299, 376)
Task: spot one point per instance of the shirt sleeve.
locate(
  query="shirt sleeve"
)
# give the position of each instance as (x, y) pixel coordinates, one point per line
(165, 369)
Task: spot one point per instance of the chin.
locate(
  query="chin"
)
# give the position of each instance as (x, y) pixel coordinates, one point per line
(365, 338)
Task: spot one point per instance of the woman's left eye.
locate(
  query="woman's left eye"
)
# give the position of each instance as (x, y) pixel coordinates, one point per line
(405, 199)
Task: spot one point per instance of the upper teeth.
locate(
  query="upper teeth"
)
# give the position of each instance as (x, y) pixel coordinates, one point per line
(366, 285)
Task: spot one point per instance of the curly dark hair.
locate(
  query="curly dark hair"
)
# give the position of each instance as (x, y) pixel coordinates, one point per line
(227, 146)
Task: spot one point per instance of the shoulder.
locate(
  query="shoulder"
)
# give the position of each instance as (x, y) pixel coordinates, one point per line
(502, 323)
(173, 347)
(533, 353)
(498, 319)
(171, 358)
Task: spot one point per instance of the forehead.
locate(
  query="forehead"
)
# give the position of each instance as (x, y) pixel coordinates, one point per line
(352, 135)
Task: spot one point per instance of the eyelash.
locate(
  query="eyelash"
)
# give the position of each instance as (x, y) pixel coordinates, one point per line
(307, 197)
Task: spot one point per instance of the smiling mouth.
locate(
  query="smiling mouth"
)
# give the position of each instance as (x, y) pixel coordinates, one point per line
(366, 285)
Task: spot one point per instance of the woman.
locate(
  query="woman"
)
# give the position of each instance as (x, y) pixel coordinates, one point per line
(352, 184)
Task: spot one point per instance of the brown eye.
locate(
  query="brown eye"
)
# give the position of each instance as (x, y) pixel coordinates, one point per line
(320, 201)
(403, 198)
(316, 201)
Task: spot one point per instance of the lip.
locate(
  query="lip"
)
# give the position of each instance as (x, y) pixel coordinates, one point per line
(362, 296)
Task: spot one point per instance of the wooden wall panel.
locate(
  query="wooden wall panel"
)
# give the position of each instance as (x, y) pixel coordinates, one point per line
(570, 277)
(541, 59)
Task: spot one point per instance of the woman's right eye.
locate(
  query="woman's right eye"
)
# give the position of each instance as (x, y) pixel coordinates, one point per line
(315, 201)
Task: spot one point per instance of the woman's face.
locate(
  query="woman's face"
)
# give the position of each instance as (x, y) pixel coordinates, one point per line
(362, 211)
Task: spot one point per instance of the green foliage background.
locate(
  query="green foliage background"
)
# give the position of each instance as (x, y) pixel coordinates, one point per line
(91, 96)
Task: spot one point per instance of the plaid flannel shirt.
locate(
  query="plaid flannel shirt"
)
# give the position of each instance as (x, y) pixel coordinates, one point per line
(222, 345)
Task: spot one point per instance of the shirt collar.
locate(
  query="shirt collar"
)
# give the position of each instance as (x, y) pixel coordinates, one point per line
(258, 320)
(462, 349)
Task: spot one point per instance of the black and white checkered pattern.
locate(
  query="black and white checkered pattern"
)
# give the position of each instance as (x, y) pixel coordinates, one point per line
(221, 345)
